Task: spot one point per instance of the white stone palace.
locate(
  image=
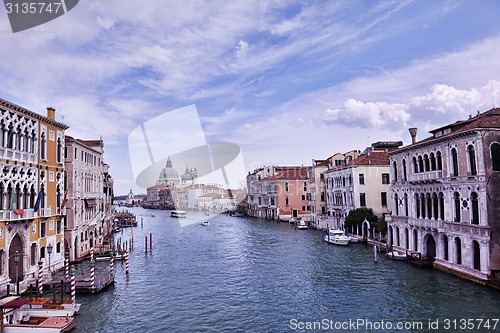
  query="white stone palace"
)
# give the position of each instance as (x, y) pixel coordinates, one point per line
(446, 200)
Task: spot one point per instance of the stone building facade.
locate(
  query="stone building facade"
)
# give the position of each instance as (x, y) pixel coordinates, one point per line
(446, 200)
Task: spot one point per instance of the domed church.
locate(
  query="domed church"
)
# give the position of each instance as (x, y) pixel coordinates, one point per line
(189, 176)
(168, 175)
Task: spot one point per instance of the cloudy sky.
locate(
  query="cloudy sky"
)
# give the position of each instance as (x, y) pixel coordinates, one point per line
(288, 81)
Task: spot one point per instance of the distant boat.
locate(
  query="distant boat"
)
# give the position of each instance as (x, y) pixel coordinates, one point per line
(204, 223)
(337, 237)
(178, 213)
(302, 225)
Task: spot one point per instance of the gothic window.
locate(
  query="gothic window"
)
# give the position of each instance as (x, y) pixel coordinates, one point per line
(475, 208)
(454, 162)
(458, 250)
(433, 161)
(495, 156)
(420, 164)
(439, 161)
(472, 160)
(396, 204)
(59, 150)
(415, 165)
(426, 163)
(404, 170)
(405, 199)
(395, 167)
(42, 147)
(456, 200)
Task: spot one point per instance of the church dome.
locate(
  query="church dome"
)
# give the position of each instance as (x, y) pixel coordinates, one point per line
(187, 176)
(168, 174)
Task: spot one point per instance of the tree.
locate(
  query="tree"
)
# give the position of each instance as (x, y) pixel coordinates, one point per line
(357, 216)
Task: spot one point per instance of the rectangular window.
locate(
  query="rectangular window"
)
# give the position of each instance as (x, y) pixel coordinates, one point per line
(303, 208)
(58, 226)
(303, 197)
(362, 199)
(33, 254)
(383, 199)
(287, 201)
(322, 196)
(51, 176)
(321, 177)
(361, 179)
(42, 229)
(305, 186)
(51, 225)
(385, 178)
(52, 135)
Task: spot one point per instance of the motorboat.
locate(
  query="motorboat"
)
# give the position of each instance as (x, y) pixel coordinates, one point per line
(302, 225)
(337, 237)
(396, 255)
(178, 213)
(204, 223)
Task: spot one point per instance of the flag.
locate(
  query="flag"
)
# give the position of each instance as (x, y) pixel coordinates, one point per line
(13, 204)
(64, 200)
(37, 203)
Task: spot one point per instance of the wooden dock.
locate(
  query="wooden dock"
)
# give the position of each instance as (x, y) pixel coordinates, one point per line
(82, 286)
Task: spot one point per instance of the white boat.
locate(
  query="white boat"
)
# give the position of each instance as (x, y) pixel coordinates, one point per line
(396, 255)
(204, 223)
(19, 320)
(178, 213)
(337, 237)
(302, 225)
(49, 307)
(354, 239)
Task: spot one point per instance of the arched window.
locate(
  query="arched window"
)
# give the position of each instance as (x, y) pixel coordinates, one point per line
(405, 199)
(426, 163)
(439, 161)
(407, 239)
(477, 255)
(415, 240)
(422, 208)
(441, 206)
(475, 208)
(404, 171)
(286, 186)
(454, 162)
(445, 245)
(417, 205)
(42, 147)
(396, 204)
(433, 161)
(429, 205)
(397, 237)
(415, 165)
(495, 156)
(420, 164)
(435, 206)
(456, 200)
(458, 250)
(59, 150)
(395, 168)
(472, 160)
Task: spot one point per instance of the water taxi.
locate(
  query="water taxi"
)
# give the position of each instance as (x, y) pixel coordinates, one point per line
(178, 213)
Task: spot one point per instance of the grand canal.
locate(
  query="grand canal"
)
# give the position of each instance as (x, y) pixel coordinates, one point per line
(247, 275)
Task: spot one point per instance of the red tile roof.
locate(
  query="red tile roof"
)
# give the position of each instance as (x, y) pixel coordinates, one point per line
(290, 173)
(372, 158)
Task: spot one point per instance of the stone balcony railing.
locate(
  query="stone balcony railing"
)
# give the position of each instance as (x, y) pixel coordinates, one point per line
(425, 176)
(17, 155)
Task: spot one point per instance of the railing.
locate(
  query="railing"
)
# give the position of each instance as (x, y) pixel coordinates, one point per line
(427, 175)
(12, 154)
(426, 223)
(11, 215)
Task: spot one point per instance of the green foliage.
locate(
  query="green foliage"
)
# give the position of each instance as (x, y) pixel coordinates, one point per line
(357, 216)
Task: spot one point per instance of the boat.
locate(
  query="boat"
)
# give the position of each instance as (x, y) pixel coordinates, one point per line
(337, 237)
(302, 225)
(107, 257)
(416, 259)
(396, 255)
(354, 239)
(17, 319)
(204, 223)
(178, 213)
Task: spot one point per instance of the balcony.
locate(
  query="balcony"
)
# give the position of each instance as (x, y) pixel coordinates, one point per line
(428, 176)
(467, 228)
(8, 215)
(426, 223)
(17, 155)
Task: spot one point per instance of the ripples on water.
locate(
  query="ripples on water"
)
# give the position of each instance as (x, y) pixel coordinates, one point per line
(247, 275)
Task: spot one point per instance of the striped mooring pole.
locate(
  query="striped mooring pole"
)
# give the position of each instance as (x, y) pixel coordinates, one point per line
(40, 278)
(112, 264)
(92, 253)
(126, 262)
(66, 265)
(73, 285)
(92, 275)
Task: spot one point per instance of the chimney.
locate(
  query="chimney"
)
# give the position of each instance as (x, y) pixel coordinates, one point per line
(413, 134)
(51, 113)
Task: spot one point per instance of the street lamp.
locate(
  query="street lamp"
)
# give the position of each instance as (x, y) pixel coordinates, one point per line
(49, 251)
(16, 261)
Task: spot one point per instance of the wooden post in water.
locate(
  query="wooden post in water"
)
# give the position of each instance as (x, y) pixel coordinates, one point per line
(62, 290)
(40, 278)
(146, 244)
(132, 241)
(73, 285)
(375, 252)
(151, 241)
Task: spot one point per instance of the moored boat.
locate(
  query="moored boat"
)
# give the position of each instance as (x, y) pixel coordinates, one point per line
(337, 237)
(302, 225)
(178, 213)
(204, 223)
(19, 319)
(396, 255)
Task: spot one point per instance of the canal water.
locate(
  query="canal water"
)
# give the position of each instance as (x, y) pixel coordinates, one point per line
(248, 275)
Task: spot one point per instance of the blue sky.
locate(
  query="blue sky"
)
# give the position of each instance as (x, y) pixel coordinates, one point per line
(288, 81)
